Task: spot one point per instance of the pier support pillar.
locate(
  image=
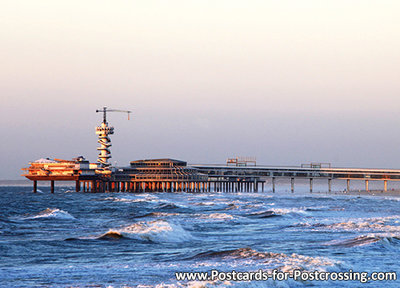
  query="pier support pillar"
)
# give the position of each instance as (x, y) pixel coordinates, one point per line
(77, 186)
(330, 185)
(262, 186)
(366, 185)
(34, 186)
(52, 186)
(273, 184)
(385, 185)
(348, 185)
(311, 184)
(292, 184)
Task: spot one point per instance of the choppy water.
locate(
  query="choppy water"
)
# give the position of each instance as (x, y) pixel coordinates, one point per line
(130, 240)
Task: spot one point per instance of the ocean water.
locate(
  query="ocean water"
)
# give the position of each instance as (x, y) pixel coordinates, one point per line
(73, 239)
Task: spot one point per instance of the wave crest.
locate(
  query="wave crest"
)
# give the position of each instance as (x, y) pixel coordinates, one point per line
(219, 216)
(155, 231)
(365, 240)
(52, 213)
(359, 225)
(272, 260)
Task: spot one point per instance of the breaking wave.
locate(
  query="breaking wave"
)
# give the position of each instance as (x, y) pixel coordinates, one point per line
(220, 216)
(271, 260)
(263, 214)
(358, 225)
(158, 214)
(209, 203)
(52, 213)
(133, 198)
(154, 231)
(111, 235)
(168, 206)
(366, 240)
(273, 212)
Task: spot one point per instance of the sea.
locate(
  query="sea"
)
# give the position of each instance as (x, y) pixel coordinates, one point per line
(70, 239)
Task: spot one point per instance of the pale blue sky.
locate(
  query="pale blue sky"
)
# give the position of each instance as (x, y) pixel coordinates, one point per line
(286, 81)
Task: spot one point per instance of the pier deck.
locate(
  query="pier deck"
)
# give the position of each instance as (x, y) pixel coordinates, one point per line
(273, 172)
(169, 175)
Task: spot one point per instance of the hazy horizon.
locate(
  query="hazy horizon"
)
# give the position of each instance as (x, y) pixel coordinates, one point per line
(288, 82)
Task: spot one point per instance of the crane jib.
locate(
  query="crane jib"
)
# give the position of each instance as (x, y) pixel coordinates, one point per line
(105, 110)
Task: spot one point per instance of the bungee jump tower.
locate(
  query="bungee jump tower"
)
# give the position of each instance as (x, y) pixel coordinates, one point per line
(105, 143)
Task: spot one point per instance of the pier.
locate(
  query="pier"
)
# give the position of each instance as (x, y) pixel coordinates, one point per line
(310, 172)
(171, 175)
(150, 175)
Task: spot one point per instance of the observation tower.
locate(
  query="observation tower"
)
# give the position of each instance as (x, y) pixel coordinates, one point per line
(105, 142)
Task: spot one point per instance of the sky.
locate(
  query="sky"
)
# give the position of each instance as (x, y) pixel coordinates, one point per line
(288, 82)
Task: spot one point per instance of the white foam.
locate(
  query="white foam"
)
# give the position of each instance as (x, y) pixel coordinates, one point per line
(218, 216)
(163, 214)
(357, 224)
(133, 198)
(269, 260)
(366, 239)
(52, 213)
(208, 203)
(156, 231)
(284, 211)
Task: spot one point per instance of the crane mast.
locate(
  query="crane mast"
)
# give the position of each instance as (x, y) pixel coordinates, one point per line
(105, 142)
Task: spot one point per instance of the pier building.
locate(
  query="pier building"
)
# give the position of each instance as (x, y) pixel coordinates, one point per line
(171, 175)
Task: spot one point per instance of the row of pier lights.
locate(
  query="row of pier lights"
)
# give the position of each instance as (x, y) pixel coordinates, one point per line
(185, 186)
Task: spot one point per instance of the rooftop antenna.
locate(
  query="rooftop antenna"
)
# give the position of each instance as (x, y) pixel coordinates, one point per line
(105, 143)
